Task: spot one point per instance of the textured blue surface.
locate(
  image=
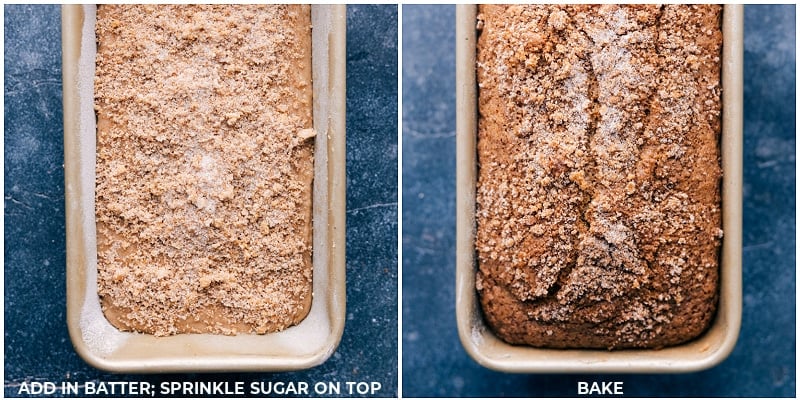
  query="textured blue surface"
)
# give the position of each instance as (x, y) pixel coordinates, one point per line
(37, 346)
(434, 363)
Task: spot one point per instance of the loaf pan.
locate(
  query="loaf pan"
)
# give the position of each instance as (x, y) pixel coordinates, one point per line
(302, 346)
(704, 352)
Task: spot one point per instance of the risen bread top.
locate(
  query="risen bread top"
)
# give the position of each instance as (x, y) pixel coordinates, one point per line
(598, 205)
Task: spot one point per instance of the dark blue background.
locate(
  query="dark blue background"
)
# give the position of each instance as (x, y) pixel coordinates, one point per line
(37, 346)
(435, 364)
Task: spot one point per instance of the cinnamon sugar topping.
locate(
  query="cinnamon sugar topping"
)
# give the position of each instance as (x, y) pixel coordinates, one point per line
(204, 167)
(598, 190)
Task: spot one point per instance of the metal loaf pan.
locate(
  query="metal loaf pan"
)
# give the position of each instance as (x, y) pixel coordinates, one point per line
(704, 352)
(302, 346)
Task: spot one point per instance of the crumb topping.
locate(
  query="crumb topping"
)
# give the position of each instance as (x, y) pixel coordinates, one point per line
(204, 167)
(598, 186)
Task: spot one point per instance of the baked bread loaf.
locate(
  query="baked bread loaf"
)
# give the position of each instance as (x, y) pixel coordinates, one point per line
(204, 167)
(598, 196)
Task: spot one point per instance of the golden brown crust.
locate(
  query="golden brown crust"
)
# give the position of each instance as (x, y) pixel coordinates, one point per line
(204, 167)
(598, 204)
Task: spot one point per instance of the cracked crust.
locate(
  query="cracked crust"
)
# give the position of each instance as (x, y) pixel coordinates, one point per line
(204, 167)
(598, 205)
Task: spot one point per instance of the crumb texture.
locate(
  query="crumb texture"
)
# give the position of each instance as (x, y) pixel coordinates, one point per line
(204, 167)
(598, 204)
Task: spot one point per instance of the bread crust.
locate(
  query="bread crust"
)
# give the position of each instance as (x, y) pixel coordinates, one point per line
(598, 200)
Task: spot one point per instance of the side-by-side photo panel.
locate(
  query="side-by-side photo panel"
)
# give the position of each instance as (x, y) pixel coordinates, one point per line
(201, 200)
(597, 222)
